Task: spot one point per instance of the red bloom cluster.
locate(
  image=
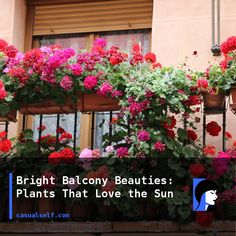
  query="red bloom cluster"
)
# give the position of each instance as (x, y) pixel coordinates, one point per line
(202, 84)
(213, 128)
(229, 45)
(115, 56)
(65, 155)
(192, 135)
(48, 140)
(3, 45)
(193, 100)
(65, 137)
(197, 170)
(170, 123)
(5, 144)
(137, 56)
(209, 150)
(9, 50)
(150, 57)
(20, 74)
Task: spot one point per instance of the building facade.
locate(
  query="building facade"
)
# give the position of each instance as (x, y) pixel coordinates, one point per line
(172, 29)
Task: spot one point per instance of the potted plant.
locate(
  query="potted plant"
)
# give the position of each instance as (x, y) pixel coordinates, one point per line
(229, 64)
(214, 86)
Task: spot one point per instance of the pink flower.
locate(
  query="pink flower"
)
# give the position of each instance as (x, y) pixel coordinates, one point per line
(100, 42)
(66, 83)
(109, 149)
(105, 89)
(122, 152)
(77, 69)
(159, 146)
(143, 135)
(223, 155)
(86, 153)
(90, 82)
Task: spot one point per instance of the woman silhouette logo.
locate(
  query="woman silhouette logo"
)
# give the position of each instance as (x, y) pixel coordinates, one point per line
(204, 195)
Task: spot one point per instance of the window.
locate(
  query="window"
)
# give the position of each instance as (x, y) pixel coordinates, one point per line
(89, 125)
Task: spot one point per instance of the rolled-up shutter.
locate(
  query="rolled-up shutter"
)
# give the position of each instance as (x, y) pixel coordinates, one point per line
(97, 16)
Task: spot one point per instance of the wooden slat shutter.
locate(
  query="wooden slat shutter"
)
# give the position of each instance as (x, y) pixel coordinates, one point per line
(92, 16)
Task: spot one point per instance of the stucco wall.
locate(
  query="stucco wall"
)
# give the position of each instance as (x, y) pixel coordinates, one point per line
(12, 29)
(183, 26)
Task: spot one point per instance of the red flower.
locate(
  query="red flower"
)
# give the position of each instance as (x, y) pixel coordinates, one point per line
(170, 133)
(5, 145)
(213, 128)
(193, 100)
(43, 127)
(11, 51)
(234, 144)
(204, 219)
(67, 153)
(156, 65)
(209, 150)
(90, 82)
(65, 136)
(192, 135)
(228, 135)
(170, 123)
(54, 158)
(3, 45)
(3, 135)
(150, 57)
(136, 49)
(60, 130)
(197, 170)
(202, 83)
(229, 45)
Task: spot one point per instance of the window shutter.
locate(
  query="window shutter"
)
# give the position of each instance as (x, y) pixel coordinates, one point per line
(94, 16)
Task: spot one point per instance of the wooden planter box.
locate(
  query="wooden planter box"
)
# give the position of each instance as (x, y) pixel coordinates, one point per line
(85, 103)
(10, 117)
(94, 102)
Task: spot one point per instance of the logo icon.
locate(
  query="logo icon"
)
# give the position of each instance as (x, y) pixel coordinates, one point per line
(204, 194)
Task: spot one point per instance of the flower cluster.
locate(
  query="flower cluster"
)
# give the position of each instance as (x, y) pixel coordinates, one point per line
(5, 144)
(213, 128)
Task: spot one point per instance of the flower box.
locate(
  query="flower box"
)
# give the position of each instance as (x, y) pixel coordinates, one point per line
(86, 102)
(95, 102)
(11, 116)
(48, 107)
(214, 103)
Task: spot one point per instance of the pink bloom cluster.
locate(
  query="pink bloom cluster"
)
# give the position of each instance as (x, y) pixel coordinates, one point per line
(143, 135)
(159, 146)
(3, 92)
(66, 83)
